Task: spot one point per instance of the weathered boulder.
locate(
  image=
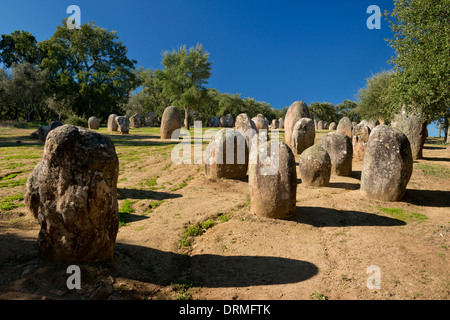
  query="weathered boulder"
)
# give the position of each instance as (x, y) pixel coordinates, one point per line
(340, 149)
(73, 194)
(373, 123)
(345, 126)
(360, 138)
(112, 124)
(315, 167)
(40, 134)
(320, 125)
(261, 122)
(135, 121)
(413, 125)
(272, 180)
(303, 135)
(93, 123)
(170, 123)
(275, 124)
(149, 120)
(281, 123)
(333, 126)
(227, 121)
(54, 125)
(214, 122)
(123, 124)
(247, 127)
(387, 166)
(226, 156)
(296, 111)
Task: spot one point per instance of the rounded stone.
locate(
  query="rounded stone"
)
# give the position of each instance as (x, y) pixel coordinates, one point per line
(123, 125)
(345, 126)
(93, 123)
(360, 138)
(315, 167)
(73, 194)
(296, 111)
(170, 122)
(387, 166)
(272, 180)
(340, 149)
(112, 124)
(303, 135)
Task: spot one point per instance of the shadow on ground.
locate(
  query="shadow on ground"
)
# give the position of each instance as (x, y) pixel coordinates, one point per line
(427, 198)
(328, 217)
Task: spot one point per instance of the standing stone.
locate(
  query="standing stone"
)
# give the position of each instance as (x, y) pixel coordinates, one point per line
(260, 122)
(448, 136)
(340, 149)
(227, 121)
(123, 125)
(93, 123)
(303, 135)
(315, 167)
(273, 180)
(333, 126)
(387, 165)
(247, 127)
(40, 134)
(360, 138)
(320, 125)
(315, 124)
(275, 124)
(213, 122)
(281, 123)
(149, 120)
(226, 156)
(373, 123)
(135, 121)
(296, 111)
(54, 125)
(414, 127)
(112, 124)
(345, 127)
(73, 194)
(170, 121)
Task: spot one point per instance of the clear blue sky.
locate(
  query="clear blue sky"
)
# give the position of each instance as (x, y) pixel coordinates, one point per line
(273, 51)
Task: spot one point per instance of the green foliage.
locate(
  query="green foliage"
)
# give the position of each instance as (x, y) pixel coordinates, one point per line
(18, 47)
(76, 121)
(421, 42)
(375, 100)
(349, 109)
(88, 67)
(324, 111)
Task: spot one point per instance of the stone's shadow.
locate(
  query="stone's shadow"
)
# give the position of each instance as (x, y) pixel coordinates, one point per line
(427, 198)
(125, 193)
(136, 140)
(434, 148)
(215, 271)
(211, 271)
(356, 175)
(328, 217)
(149, 265)
(436, 159)
(344, 185)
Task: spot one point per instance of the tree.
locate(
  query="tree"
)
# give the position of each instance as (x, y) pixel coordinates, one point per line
(349, 109)
(18, 47)
(375, 99)
(421, 42)
(324, 111)
(184, 76)
(89, 67)
(23, 90)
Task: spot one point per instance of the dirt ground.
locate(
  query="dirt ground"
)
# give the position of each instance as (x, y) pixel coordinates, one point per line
(324, 252)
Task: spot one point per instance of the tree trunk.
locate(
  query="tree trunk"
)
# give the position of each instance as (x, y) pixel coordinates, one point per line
(186, 117)
(446, 124)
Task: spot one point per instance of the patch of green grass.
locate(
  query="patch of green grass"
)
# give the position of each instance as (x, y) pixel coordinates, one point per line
(13, 165)
(182, 289)
(14, 183)
(11, 202)
(124, 212)
(180, 186)
(10, 176)
(435, 171)
(152, 182)
(318, 296)
(404, 215)
(23, 157)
